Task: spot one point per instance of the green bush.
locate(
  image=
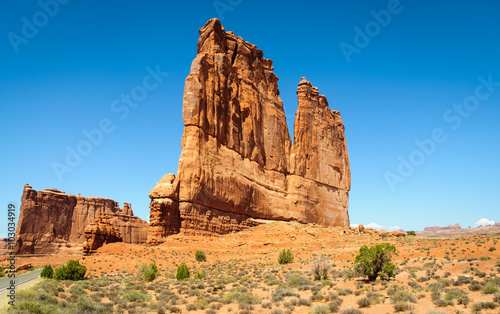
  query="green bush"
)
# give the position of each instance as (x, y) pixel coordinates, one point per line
(375, 261)
(72, 271)
(47, 272)
(182, 272)
(411, 233)
(148, 272)
(286, 257)
(200, 256)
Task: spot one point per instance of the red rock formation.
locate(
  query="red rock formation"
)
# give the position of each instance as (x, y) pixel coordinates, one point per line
(51, 221)
(450, 227)
(98, 233)
(237, 160)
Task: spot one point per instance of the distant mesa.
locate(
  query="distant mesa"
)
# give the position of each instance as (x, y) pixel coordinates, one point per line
(51, 221)
(238, 163)
(450, 227)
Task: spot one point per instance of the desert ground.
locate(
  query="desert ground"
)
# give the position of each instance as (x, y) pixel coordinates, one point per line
(242, 275)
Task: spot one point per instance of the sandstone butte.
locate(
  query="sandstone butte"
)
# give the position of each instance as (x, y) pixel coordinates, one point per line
(51, 221)
(238, 165)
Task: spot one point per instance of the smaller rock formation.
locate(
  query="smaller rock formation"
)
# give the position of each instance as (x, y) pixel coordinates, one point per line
(450, 227)
(51, 221)
(98, 233)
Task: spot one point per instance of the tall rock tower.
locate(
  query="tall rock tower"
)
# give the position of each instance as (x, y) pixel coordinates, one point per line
(237, 162)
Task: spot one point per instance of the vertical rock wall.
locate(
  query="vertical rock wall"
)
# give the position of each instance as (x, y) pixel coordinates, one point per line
(237, 161)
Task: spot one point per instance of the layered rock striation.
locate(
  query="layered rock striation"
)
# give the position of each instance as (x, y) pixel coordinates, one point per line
(51, 221)
(237, 162)
(98, 233)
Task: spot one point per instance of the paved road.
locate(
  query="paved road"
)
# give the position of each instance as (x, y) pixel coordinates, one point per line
(5, 281)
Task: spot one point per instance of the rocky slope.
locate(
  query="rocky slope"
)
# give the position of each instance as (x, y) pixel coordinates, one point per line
(51, 221)
(237, 162)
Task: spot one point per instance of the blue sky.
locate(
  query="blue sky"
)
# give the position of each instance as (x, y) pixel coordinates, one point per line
(417, 83)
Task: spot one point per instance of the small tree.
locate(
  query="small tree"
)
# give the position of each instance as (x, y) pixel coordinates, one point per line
(200, 256)
(47, 272)
(411, 233)
(182, 271)
(72, 271)
(375, 261)
(148, 272)
(285, 257)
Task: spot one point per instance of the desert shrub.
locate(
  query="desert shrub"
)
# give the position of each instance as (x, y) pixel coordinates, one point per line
(411, 233)
(402, 306)
(134, 296)
(148, 272)
(84, 305)
(283, 291)
(344, 292)
(402, 295)
(285, 257)
(484, 305)
(442, 303)
(305, 302)
(496, 298)
(375, 261)
(320, 268)
(182, 272)
(365, 302)
(200, 256)
(198, 276)
(297, 280)
(241, 298)
(492, 248)
(47, 272)
(475, 286)
(320, 309)
(490, 289)
(334, 305)
(72, 271)
(463, 299)
(351, 311)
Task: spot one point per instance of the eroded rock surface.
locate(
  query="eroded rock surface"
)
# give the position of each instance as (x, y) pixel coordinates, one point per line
(98, 233)
(237, 162)
(51, 221)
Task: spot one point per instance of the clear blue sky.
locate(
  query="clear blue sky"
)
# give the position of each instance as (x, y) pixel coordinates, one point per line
(419, 71)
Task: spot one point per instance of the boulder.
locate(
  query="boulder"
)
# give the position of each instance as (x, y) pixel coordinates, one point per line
(397, 233)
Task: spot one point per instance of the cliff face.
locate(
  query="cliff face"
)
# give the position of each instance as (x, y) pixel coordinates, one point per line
(51, 221)
(237, 161)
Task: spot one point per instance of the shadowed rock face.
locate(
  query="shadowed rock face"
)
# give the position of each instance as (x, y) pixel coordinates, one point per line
(237, 160)
(51, 221)
(98, 233)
